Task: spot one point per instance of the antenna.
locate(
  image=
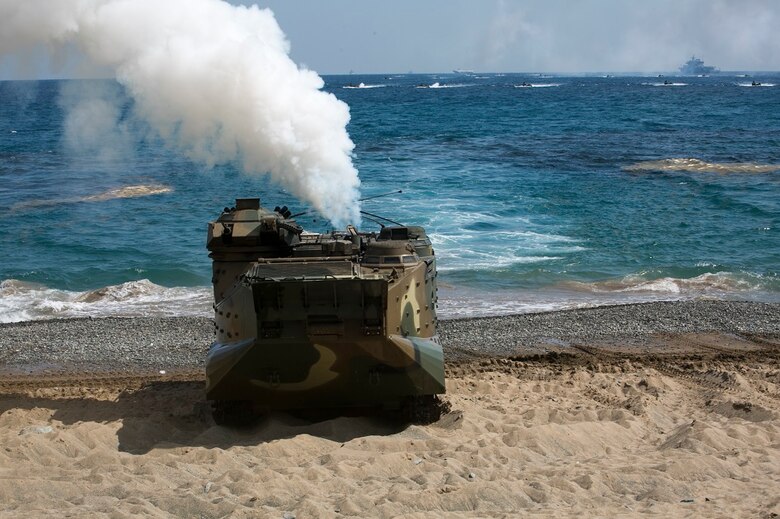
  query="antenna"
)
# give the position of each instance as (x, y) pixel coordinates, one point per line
(380, 196)
(361, 200)
(376, 222)
(381, 218)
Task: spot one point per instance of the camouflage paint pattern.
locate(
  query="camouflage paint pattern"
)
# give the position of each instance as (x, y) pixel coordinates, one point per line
(310, 320)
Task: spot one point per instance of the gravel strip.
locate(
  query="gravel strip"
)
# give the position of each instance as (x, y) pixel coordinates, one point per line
(627, 324)
(107, 344)
(171, 343)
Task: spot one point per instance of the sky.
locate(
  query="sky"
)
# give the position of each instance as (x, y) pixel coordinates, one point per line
(572, 36)
(530, 35)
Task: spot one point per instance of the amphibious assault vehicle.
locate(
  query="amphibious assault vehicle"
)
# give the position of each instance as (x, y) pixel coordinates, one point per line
(308, 320)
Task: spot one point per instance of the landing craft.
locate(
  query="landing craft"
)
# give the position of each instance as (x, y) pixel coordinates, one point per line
(307, 320)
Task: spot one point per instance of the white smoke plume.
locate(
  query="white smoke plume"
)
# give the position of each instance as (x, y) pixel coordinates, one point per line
(93, 125)
(214, 80)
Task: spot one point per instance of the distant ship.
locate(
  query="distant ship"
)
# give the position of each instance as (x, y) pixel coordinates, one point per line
(696, 67)
(462, 71)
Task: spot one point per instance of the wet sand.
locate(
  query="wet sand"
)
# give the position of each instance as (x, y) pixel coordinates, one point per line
(668, 408)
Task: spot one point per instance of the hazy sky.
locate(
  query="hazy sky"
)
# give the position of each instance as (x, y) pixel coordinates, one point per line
(372, 36)
(529, 35)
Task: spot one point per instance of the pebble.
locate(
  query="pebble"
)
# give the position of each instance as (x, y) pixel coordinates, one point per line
(502, 335)
(143, 343)
(146, 343)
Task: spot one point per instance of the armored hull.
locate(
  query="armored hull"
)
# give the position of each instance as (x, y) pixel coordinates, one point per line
(307, 320)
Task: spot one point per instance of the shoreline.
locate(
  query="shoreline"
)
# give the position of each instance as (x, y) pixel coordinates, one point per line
(25, 301)
(154, 344)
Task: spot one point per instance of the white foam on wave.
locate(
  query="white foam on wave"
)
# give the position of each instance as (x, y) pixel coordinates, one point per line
(22, 301)
(459, 302)
(468, 249)
(134, 191)
(700, 166)
(455, 302)
(710, 283)
(484, 240)
(487, 261)
(667, 84)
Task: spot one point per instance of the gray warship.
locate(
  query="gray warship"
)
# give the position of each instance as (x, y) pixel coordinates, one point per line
(696, 67)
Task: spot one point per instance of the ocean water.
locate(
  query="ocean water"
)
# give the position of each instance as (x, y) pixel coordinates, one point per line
(538, 192)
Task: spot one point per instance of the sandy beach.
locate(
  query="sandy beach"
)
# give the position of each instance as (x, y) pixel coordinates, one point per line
(671, 409)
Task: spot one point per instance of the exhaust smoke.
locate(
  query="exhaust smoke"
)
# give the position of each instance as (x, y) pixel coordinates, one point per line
(214, 80)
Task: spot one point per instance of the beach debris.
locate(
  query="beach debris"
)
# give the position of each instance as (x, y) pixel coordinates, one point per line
(471, 476)
(207, 487)
(417, 461)
(36, 429)
(288, 515)
(162, 372)
(687, 500)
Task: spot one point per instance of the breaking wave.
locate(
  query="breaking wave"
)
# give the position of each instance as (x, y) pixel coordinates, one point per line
(700, 166)
(23, 301)
(135, 191)
(462, 301)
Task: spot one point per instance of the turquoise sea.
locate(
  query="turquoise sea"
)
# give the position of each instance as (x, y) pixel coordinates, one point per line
(538, 192)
